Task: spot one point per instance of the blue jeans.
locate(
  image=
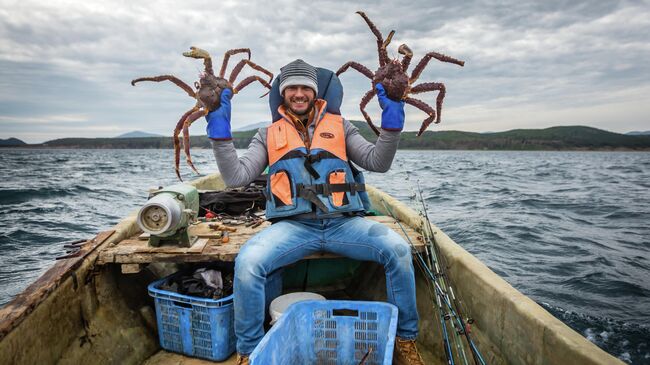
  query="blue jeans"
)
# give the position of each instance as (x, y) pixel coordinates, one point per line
(290, 240)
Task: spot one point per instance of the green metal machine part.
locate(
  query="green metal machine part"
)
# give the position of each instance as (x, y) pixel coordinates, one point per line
(168, 213)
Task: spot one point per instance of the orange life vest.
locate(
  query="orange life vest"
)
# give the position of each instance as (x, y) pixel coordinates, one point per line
(302, 178)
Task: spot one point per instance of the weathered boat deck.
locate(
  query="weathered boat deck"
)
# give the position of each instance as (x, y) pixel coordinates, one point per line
(134, 252)
(163, 357)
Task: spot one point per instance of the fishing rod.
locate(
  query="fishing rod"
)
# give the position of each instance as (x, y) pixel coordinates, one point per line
(442, 293)
(478, 359)
(423, 267)
(441, 289)
(435, 303)
(458, 317)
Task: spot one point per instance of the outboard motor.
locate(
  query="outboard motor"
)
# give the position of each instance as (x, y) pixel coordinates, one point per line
(168, 213)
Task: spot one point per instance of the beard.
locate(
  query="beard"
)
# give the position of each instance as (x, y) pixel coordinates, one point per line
(300, 113)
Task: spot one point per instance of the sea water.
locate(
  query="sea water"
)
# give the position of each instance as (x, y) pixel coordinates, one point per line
(569, 229)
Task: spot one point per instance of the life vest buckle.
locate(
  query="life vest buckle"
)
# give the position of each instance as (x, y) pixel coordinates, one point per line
(310, 193)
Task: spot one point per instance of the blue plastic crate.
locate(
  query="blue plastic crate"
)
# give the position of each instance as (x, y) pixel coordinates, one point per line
(198, 327)
(330, 332)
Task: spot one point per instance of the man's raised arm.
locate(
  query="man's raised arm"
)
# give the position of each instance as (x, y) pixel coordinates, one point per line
(234, 171)
(379, 156)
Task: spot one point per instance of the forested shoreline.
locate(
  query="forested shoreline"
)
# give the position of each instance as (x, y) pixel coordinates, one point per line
(554, 138)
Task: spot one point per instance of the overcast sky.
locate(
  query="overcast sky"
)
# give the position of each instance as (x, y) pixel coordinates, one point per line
(66, 66)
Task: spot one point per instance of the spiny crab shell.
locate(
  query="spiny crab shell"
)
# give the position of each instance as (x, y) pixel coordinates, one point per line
(393, 78)
(209, 90)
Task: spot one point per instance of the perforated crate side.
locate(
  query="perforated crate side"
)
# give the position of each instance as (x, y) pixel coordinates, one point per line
(198, 327)
(330, 333)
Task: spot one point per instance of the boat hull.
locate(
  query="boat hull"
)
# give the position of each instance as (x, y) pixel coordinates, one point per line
(79, 312)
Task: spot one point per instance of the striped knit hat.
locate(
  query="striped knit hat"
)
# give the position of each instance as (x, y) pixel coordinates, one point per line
(298, 72)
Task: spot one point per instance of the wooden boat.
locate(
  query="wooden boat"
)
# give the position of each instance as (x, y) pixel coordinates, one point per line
(94, 308)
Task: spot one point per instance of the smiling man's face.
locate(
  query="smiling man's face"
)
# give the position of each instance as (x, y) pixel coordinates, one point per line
(299, 99)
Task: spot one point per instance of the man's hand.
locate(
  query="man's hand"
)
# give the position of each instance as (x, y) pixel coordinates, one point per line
(392, 115)
(219, 119)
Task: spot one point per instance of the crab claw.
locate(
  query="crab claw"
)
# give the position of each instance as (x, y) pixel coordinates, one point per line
(196, 52)
(388, 39)
(408, 55)
(405, 50)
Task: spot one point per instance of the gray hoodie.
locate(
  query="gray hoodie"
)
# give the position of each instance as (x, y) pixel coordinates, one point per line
(240, 171)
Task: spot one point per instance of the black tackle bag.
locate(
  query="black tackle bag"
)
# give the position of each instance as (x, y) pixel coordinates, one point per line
(235, 202)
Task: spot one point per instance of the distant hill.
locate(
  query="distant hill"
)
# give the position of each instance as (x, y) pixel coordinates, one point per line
(11, 142)
(251, 127)
(638, 133)
(241, 140)
(554, 138)
(138, 134)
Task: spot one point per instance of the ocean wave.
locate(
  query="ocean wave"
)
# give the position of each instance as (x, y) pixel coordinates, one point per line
(626, 340)
(14, 196)
(626, 214)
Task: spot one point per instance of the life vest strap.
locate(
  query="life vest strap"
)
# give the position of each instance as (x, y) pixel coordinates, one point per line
(353, 188)
(320, 155)
(293, 154)
(310, 160)
(328, 189)
(309, 192)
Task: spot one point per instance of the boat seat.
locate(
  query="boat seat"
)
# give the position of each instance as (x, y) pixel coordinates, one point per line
(134, 252)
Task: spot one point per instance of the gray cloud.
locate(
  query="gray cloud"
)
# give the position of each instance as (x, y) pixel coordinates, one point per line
(528, 63)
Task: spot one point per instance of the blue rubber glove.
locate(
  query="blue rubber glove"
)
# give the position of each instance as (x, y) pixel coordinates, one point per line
(392, 115)
(219, 119)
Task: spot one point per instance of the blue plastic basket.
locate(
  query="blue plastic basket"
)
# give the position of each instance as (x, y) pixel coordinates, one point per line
(198, 327)
(330, 332)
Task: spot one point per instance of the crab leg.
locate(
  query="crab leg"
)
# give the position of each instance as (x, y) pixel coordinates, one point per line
(425, 108)
(200, 53)
(188, 89)
(425, 60)
(357, 66)
(226, 57)
(381, 44)
(177, 144)
(408, 54)
(362, 106)
(235, 71)
(245, 82)
(186, 134)
(432, 86)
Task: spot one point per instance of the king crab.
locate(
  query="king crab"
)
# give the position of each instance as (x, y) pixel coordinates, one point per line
(398, 85)
(207, 94)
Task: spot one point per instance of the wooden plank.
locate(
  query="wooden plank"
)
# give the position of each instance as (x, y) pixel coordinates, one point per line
(210, 248)
(209, 235)
(198, 246)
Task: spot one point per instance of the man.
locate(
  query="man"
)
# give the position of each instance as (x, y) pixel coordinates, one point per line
(313, 200)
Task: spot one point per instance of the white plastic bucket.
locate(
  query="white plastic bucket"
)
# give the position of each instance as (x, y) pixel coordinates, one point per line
(280, 304)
